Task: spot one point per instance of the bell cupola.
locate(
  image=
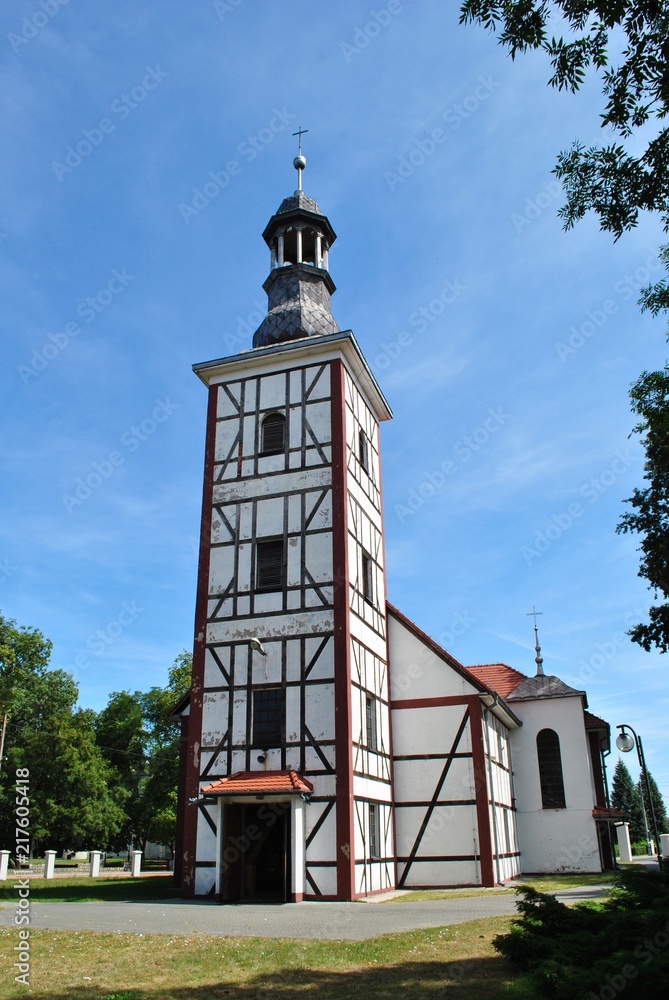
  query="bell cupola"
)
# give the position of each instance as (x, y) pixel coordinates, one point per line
(299, 285)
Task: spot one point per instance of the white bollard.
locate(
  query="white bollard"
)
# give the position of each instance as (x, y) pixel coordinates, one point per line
(95, 864)
(136, 864)
(624, 845)
(4, 864)
(49, 863)
(664, 844)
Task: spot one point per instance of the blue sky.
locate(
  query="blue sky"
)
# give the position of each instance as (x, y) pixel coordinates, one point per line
(505, 346)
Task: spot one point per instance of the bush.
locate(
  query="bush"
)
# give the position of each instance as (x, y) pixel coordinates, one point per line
(114, 862)
(568, 953)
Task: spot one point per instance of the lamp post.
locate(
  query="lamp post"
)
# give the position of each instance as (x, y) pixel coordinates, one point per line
(626, 742)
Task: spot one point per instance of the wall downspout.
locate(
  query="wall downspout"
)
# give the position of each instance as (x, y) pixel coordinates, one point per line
(486, 711)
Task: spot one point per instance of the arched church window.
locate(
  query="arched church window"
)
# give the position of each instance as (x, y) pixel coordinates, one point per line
(550, 770)
(273, 434)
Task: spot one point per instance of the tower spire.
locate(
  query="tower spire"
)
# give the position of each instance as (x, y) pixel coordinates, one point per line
(538, 659)
(299, 285)
(300, 161)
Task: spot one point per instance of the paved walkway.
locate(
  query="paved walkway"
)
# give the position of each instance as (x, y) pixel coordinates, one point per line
(350, 921)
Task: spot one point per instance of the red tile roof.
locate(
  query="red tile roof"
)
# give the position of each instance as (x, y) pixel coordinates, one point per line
(498, 676)
(594, 722)
(259, 783)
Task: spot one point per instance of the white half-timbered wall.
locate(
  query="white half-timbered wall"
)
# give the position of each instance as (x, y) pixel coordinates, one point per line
(436, 715)
(372, 779)
(287, 495)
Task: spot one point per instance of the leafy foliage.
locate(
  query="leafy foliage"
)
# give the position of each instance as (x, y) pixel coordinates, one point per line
(140, 742)
(649, 516)
(96, 780)
(617, 180)
(573, 952)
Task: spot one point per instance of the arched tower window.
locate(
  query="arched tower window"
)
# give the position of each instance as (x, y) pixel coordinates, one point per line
(273, 434)
(550, 770)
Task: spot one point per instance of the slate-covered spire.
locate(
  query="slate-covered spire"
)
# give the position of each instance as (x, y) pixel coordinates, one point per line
(299, 285)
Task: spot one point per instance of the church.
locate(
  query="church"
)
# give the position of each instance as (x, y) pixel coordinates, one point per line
(330, 748)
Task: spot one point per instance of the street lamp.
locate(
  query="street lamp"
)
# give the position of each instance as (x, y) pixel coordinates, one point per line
(625, 742)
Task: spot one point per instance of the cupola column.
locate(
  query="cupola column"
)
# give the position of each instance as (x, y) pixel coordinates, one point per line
(280, 249)
(298, 243)
(317, 251)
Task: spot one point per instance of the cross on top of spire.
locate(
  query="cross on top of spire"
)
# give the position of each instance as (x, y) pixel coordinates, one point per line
(538, 659)
(300, 161)
(300, 132)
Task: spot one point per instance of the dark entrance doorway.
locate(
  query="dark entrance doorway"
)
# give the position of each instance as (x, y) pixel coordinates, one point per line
(255, 859)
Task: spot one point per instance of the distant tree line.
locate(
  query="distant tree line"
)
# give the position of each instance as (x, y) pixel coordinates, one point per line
(634, 798)
(98, 780)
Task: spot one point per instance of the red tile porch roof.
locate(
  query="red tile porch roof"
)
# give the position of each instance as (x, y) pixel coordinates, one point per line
(498, 676)
(594, 722)
(259, 783)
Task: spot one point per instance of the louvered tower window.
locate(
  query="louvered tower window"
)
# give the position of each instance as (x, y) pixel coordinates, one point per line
(363, 450)
(367, 578)
(550, 770)
(273, 434)
(373, 830)
(270, 564)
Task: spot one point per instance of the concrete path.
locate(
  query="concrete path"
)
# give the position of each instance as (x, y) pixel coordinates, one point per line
(349, 921)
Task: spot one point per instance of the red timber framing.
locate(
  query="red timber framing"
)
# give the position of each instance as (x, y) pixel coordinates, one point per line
(199, 648)
(472, 716)
(342, 643)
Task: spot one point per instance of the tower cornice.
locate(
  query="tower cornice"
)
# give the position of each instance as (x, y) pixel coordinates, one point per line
(324, 348)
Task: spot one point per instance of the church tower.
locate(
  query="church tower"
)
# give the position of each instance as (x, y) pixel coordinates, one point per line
(288, 765)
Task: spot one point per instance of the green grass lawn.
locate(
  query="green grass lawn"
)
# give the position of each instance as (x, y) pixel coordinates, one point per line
(457, 961)
(543, 883)
(90, 890)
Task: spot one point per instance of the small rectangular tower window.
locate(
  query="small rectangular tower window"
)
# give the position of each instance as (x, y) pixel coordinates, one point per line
(268, 712)
(373, 830)
(270, 564)
(367, 578)
(370, 723)
(363, 450)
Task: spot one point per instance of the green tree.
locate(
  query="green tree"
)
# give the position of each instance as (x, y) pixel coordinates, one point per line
(625, 795)
(657, 800)
(72, 802)
(618, 181)
(649, 515)
(140, 742)
(24, 657)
